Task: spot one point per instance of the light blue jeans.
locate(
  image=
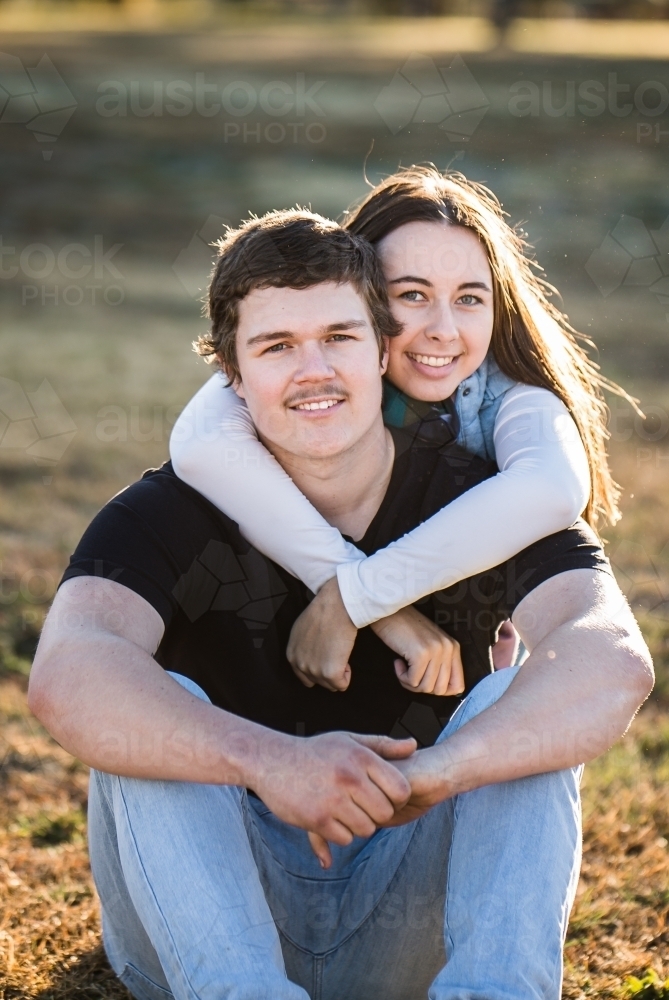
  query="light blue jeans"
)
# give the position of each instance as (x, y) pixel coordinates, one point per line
(206, 895)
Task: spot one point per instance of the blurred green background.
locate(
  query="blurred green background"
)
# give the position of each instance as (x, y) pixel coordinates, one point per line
(131, 133)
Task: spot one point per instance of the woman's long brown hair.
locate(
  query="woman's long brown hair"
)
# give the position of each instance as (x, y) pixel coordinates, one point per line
(532, 340)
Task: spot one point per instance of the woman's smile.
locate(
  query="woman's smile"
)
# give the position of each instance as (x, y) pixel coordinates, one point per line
(433, 365)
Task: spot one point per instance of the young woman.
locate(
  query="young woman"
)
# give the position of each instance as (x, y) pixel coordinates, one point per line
(484, 356)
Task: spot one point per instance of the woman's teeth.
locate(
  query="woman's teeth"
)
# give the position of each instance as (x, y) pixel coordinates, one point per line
(324, 404)
(429, 359)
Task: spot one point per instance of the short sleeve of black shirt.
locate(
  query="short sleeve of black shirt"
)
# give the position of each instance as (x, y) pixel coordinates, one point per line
(146, 537)
(576, 547)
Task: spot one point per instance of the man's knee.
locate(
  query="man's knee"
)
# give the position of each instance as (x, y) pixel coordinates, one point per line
(190, 685)
(485, 694)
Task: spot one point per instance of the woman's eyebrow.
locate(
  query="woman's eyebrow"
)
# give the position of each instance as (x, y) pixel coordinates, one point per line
(474, 284)
(412, 278)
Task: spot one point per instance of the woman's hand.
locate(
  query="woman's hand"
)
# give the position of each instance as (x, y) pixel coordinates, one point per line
(322, 638)
(321, 641)
(431, 661)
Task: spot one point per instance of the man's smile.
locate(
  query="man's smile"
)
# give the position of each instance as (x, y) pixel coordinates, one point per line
(311, 405)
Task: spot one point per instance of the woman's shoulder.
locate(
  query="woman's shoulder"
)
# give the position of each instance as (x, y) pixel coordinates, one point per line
(497, 382)
(520, 396)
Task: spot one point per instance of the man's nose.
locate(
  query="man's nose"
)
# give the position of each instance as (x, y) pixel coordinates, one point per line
(313, 364)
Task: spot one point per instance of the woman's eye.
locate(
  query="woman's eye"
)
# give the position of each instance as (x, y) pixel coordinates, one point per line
(413, 296)
(469, 300)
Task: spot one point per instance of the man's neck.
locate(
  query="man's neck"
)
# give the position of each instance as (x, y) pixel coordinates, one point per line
(346, 489)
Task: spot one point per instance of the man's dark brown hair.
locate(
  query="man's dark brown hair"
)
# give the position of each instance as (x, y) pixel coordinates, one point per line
(288, 249)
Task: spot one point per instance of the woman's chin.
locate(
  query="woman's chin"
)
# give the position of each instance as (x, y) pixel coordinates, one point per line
(430, 389)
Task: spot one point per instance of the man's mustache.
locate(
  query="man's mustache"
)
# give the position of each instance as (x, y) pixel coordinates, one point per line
(303, 396)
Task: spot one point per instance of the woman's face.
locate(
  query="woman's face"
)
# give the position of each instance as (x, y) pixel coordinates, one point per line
(440, 290)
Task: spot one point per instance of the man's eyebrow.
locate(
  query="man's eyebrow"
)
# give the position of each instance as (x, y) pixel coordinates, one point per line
(346, 324)
(272, 335)
(266, 338)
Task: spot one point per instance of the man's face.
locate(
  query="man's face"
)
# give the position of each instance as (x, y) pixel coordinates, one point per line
(310, 368)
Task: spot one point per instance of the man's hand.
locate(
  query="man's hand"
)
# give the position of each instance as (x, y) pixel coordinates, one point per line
(321, 641)
(337, 785)
(431, 661)
(427, 771)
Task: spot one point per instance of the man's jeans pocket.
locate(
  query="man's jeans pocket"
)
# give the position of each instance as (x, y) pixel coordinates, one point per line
(141, 987)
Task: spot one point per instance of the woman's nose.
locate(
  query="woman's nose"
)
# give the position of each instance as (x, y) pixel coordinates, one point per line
(441, 324)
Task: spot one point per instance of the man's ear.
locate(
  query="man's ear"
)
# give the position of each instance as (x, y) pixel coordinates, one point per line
(235, 381)
(386, 355)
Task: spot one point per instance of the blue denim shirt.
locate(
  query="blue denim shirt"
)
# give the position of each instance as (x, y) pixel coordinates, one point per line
(477, 401)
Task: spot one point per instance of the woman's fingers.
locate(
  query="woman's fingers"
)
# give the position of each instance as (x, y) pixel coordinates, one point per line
(456, 683)
(302, 676)
(438, 659)
(331, 680)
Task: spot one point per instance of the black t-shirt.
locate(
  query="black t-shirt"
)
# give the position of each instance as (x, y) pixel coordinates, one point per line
(228, 610)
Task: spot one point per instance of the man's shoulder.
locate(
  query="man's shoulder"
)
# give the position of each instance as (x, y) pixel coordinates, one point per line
(161, 498)
(149, 535)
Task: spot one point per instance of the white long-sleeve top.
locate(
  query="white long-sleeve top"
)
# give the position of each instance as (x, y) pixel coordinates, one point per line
(542, 486)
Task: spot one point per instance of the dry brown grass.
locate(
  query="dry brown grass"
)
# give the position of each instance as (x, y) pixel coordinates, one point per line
(49, 929)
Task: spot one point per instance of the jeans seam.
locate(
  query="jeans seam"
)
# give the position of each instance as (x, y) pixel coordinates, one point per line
(175, 952)
(317, 982)
(331, 951)
(142, 975)
(559, 958)
(447, 931)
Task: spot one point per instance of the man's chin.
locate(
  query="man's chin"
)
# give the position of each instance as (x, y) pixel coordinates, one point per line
(316, 442)
(317, 447)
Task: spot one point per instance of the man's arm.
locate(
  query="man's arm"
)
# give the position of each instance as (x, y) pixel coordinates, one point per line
(97, 689)
(588, 672)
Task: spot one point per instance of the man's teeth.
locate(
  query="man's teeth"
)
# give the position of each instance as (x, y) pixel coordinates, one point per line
(429, 359)
(324, 404)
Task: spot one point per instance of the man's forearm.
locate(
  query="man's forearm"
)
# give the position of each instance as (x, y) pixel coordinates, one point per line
(573, 698)
(111, 705)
